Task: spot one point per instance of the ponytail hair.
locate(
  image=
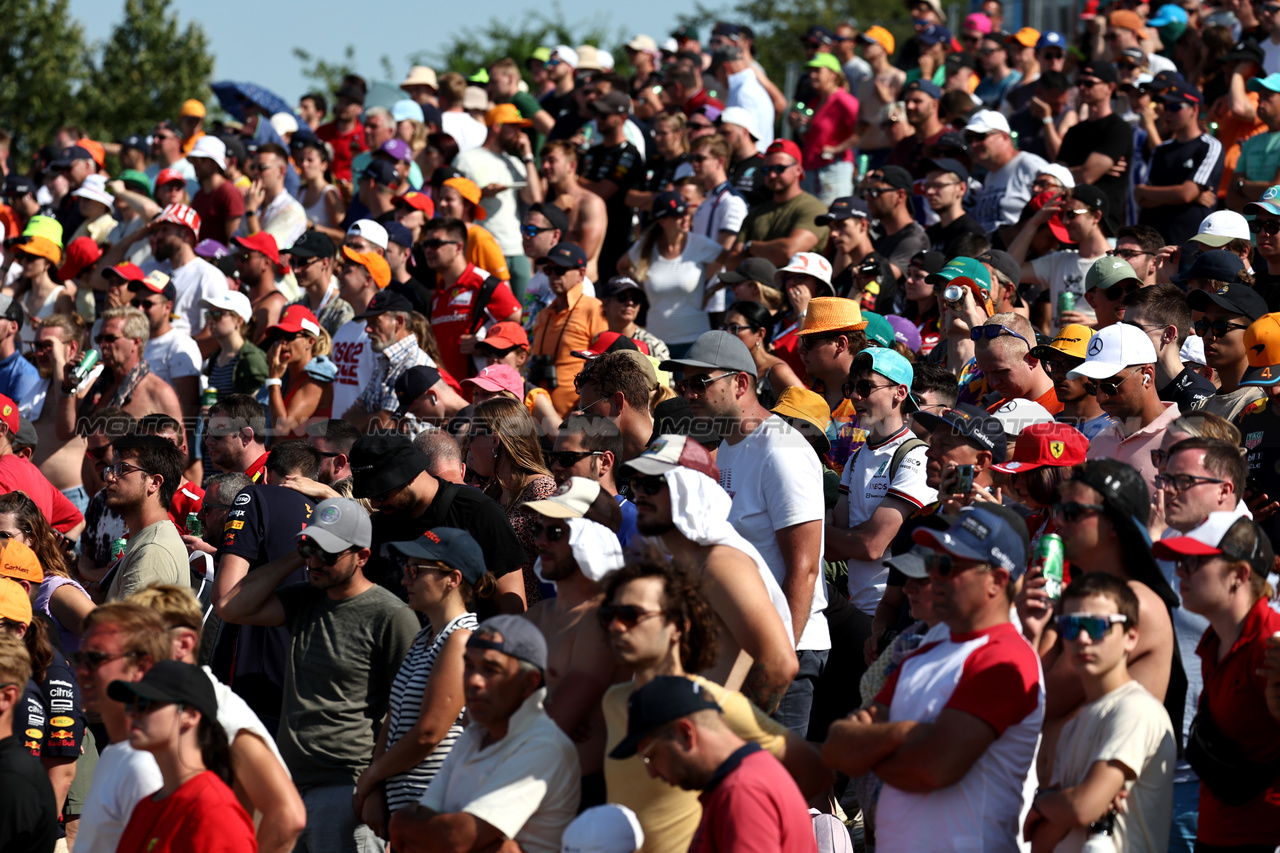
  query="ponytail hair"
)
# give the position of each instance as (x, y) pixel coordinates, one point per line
(215, 750)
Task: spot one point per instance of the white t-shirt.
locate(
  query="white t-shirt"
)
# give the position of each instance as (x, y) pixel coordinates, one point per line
(745, 91)
(194, 281)
(503, 221)
(173, 355)
(355, 359)
(1130, 726)
(865, 483)
(995, 676)
(1061, 271)
(465, 130)
(722, 210)
(775, 480)
(124, 776)
(235, 716)
(1007, 190)
(674, 287)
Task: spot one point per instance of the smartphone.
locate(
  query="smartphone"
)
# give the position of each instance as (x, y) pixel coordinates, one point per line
(962, 482)
(517, 185)
(1253, 488)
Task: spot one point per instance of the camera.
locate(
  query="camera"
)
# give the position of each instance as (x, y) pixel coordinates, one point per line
(542, 371)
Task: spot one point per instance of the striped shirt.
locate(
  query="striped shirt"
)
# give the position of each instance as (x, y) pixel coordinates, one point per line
(406, 789)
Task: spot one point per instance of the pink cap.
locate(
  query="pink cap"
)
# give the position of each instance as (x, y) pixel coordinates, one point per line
(978, 22)
(500, 377)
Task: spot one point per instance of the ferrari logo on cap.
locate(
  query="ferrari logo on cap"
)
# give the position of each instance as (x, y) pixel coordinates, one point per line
(1095, 346)
(8, 410)
(1056, 448)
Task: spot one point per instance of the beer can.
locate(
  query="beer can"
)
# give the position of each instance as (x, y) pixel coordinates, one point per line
(1066, 301)
(194, 527)
(953, 294)
(1049, 556)
(209, 396)
(117, 548)
(864, 162)
(85, 367)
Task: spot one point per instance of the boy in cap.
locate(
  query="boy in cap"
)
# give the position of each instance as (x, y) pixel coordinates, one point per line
(1227, 314)
(1083, 212)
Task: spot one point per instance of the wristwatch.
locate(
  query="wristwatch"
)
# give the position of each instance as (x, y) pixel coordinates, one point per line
(746, 248)
(1047, 119)
(529, 158)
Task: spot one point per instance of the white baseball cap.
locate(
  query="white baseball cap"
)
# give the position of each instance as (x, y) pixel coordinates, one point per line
(283, 123)
(211, 148)
(1112, 350)
(1020, 413)
(742, 118)
(1062, 173)
(1192, 350)
(986, 121)
(1220, 228)
(567, 55)
(230, 300)
(609, 828)
(371, 231)
(809, 263)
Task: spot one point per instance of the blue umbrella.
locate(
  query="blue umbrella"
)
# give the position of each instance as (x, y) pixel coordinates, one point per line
(233, 96)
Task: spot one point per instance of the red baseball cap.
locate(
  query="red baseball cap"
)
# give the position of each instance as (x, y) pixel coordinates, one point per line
(180, 214)
(609, 342)
(126, 271)
(418, 201)
(1055, 222)
(296, 318)
(168, 176)
(9, 415)
(506, 335)
(1059, 445)
(261, 242)
(785, 146)
(81, 252)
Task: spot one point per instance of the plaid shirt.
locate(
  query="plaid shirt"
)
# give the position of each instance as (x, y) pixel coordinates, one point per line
(380, 393)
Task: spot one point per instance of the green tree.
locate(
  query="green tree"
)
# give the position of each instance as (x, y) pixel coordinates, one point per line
(325, 74)
(44, 58)
(148, 67)
(477, 48)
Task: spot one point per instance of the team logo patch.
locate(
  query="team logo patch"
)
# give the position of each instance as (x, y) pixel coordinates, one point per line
(1252, 440)
(1056, 448)
(34, 733)
(62, 722)
(330, 515)
(1095, 346)
(242, 499)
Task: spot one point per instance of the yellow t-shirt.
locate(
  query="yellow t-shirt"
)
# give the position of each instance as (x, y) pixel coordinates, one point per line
(670, 815)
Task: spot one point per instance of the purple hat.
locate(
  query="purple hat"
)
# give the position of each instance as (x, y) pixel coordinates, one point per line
(904, 331)
(397, 148)
(211, 249)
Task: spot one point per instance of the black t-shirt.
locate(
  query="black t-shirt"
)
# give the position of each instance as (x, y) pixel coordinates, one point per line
(903, 245)
(1268, 285)
(1174, 163)
(1019, 98)
(940, 236)
(1260, 430)
(28, 812)
(1030, 130)
(564, 109)
(463, 507)
(418, 293)
(260, 527)
(50, 717)
(1188, 389)
(621, 165)
(747, 177)
(659, 173)
(1113, 137)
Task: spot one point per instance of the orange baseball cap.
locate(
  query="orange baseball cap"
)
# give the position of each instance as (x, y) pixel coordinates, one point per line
(95, 149)
(373, 262)
(506, 335)
(19, 562)
(505, 114)
(471, 192)
(1124, 19)
(418, 201)
(15, 604)
(1262, 351)
(880, 36)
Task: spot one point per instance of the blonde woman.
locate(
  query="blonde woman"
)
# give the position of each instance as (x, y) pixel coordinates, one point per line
(299, 391)
(504, 452)
(58, 596)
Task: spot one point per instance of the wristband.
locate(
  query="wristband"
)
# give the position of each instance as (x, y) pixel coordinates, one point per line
(271, 383)
(1047, 119)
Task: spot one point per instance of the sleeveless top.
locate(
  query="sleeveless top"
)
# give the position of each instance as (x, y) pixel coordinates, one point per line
(406, 789)
(318, 212)
(70, 640)
(30, 329)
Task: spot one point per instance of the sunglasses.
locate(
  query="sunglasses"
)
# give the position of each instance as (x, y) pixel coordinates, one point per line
(92, 660)
(943, 565)
(1219, 328)
(876, 192)
(308, 549)
(435, 244)
(144, 304)
(414, 570)
(569, 458)
(626, 615)
(41, 346)
(1087, 84)
(1054, 55)
(774, 169)
(107, 339)
(1110, 387)
(864, 388)
(1182, 482)
(1128, 254)
(1116, 292)
(302, 263)
(119, 469)
(987, 51)
(738, 328)
(699, 384)
(700, 158)
(1070, 625)
(1271, 227)
(1173, 107)
(533, 230)
(972, 137)
(1071, 511)
(553, 532)
(216, 314)
(629, 297)
(1159, 457)
(141, 705)
(649, 484)
(1068, 215)
(977, 333)
(1061, 367)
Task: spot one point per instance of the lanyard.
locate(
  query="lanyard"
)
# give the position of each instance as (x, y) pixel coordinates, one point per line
(711, 220)
(556, 352)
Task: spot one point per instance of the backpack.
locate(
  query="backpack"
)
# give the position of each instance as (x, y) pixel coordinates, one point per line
(898, 455)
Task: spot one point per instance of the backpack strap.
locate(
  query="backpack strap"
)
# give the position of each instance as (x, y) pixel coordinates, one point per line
(901, 453)
(482, 302)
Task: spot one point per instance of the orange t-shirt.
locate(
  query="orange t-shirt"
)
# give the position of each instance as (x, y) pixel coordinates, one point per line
(1049, 399)
(483, 252)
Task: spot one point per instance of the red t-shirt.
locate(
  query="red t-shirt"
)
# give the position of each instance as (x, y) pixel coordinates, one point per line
(257, 470)
(753, 804)
(345, 147)
(216, 208)
(202, 816)
(19, 475)
(186, 500)
(451, 315)
(1233, 696)
(833, 123)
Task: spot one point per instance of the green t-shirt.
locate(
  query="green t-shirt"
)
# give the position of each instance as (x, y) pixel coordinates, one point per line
(528, 106)
(343, 656)
(1260, 157)
(773, 221)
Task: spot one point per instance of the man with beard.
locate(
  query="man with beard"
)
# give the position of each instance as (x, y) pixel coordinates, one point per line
(586, 212)
(576, 538)
(348, 628)
(333, 440)
(683, 511)
(391, 337)
(219, 203)
(140, 486)
(126, 379)
(172, 235)
(236, 436)
(591, 448)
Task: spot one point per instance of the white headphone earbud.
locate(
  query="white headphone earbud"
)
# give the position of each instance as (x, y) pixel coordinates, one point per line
(1144, 380)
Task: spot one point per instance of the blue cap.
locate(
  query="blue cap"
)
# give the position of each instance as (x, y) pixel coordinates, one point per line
(72, 153)
(983, 534)
(1271, 83)
(934, 34)
(136, 142)
(887, 362)
(1051, 39)
(661, 701)
(449, 545)
(381, 172)
(1268, 203)
(567, 256)
(974, 423)
(398, 234)
(1170, 13)
(1215, 265)
(926, 86)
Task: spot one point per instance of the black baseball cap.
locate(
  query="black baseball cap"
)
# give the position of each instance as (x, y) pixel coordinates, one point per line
(1004, 262)
(1235, 298)
(613, 103)
(1092, 196)
(412, 384)
(895, 176)
(444, 173)
(662, 700)
(381, 172)
(18, 185)
(567, 256)
(819, 35)
(558, 218)
(926, 86)
(1104, 71)
(848, 207)
(312, 244)
(1248, 50)
(69, 155)
(947, 164)
(668, 204)
(758, 270)
(398, 234)
(380, 463)
(449, 545)
(171, 682)
(135, 142)
(1181, 92)
(620, 284)
(929, 261)
(977, 425)
(384, 301)
(1215, 265)
(953, 141)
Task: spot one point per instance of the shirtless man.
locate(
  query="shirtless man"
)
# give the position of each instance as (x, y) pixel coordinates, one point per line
(757, 650)
(587, 217)
(62, 461)
(125, 381)
(580, 662)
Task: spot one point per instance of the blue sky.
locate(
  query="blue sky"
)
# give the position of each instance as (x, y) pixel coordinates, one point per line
(253, 41)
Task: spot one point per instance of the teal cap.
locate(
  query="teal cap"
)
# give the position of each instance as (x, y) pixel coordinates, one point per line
(878, 330)
(1271, 83)
(888, 363)
(962, 269)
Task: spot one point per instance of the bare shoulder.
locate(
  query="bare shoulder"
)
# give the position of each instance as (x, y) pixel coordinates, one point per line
(1152, 612)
